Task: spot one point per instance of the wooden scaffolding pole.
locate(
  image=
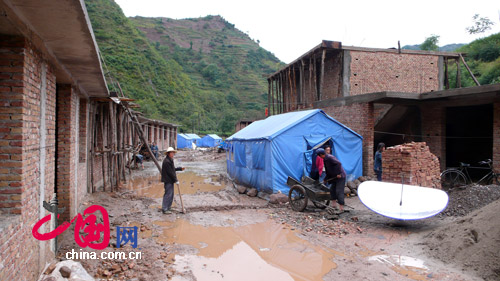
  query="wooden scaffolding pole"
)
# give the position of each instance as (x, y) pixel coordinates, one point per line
(322, 77)
(268, 97)
(468, 69)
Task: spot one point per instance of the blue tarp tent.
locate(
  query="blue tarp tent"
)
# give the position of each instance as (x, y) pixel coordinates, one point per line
(266, 152)
(184, 141)
(196, 139)
(210, 140)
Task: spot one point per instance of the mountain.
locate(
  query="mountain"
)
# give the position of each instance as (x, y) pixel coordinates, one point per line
(445, 48)
(203, 74)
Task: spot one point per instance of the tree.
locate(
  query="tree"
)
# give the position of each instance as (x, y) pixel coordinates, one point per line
(430, 43)
(480, 25)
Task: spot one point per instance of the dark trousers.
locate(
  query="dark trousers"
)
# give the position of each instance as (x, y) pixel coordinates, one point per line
(337, 190)
(379, 175)
(168, 197)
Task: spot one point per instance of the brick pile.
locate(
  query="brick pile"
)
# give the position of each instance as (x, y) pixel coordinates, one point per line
(414, 161)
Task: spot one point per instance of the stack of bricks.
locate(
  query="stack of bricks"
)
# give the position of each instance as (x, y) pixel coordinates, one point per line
(414, 162)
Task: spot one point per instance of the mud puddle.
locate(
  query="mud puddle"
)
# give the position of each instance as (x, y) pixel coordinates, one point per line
(261, 251)
(407, 266)
(190, 183)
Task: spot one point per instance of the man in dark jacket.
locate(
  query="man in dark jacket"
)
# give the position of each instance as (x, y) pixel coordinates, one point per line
(335, 175)
(168, 177)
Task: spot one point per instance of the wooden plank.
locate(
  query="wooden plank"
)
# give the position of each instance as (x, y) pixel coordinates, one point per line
(269, 97)
(93, 129)
(459, 78)
(322, 75)
(468, 69)
(310, 79)
(446, 77)
(273, 97)
(290, 90)
(301, 84)
(280, 98)
(316, 93)
(101, 119)
(295, 92)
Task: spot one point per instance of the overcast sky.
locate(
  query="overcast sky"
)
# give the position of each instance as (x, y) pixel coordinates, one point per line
(290, 28)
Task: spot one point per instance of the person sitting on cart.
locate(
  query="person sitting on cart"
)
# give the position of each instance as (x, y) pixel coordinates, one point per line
(335, 175)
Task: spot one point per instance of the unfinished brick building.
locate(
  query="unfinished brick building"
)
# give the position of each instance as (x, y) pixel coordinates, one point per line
(394, 96)
(60, 131)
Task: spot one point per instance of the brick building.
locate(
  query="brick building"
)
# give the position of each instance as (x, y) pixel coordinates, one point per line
(394, 96)
(163, 133)
(60, 131)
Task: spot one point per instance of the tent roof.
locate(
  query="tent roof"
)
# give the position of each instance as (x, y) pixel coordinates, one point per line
(184, 136)
(273, 126)
(193, 136)
(214, 136)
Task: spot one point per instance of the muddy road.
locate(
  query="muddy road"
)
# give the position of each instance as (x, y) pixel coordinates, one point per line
(225, 235)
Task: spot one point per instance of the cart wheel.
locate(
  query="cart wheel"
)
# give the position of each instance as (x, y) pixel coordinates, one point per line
(297, 198)
(322, 204)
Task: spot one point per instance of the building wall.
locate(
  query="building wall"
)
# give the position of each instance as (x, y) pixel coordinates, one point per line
(358, 117)
(332, 83)
(434, 130)
(27, 139)
(380, 71)
(67, 111)
(496, 136)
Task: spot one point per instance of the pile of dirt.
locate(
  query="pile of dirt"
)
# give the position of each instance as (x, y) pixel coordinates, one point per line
(472, 242)
(470, 198)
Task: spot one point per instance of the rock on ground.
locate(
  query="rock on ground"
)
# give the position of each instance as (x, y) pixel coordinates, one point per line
(278, 198)
(75, 269)
(252, 192)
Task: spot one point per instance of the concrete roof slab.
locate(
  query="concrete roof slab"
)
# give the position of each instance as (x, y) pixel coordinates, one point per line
(64, 29)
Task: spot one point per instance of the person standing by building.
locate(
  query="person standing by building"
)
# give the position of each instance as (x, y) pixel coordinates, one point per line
(377, 163)
(335, 175)
(169, 177)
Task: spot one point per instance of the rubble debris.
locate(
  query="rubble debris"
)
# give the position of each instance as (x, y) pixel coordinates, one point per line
(49, 269)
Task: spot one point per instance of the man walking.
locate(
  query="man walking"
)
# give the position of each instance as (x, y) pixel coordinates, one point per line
(169, 177)
(335, 175)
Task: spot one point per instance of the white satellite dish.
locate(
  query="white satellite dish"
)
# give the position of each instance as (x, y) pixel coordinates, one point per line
(403, 202)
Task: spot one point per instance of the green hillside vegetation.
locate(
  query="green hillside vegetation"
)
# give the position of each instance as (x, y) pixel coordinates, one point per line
(445, 48)
(203, 74)
(483, 57)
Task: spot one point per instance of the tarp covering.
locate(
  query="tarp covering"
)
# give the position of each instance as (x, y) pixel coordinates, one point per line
(266, 152)
(210, 140)
(184, 141)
